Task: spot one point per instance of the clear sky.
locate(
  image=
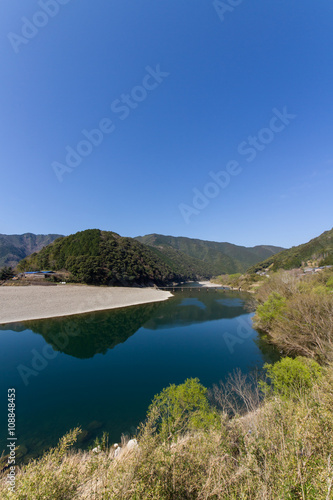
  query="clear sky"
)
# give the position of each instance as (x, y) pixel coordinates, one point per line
(215, 121)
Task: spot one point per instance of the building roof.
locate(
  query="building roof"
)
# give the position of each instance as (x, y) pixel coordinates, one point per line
(39, 272)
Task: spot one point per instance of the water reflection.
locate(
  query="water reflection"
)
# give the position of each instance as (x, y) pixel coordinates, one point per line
(194, 307)
(85, 335)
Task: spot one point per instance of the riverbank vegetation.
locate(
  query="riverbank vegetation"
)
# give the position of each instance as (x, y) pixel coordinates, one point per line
(296, 312)
(245, 282)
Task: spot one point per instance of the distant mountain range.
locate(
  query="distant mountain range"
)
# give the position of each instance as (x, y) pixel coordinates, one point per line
(15, 247)
(213, 257)
(103, 257)
(317, 251)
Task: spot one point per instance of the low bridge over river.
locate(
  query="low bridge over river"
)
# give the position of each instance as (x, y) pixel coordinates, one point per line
(187, 288)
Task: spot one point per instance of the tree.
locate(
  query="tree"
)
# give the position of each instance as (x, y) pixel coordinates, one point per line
(6, 273)
(181, 408)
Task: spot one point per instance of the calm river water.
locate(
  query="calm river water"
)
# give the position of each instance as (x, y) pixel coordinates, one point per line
(101, 370)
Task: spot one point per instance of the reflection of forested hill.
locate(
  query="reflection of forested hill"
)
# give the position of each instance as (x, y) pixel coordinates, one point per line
(187, 308)
(15, 327)
(85, 335)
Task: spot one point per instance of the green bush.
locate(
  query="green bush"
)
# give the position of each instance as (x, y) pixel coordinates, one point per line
(180, 408)
(291, 377)
(270, 310)
(320, 290)
(329, 283)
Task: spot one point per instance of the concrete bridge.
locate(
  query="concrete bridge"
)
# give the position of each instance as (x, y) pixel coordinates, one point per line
(203, 288)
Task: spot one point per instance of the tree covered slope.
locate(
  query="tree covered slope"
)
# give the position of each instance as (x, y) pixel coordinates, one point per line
(218, 257)
(318, 250)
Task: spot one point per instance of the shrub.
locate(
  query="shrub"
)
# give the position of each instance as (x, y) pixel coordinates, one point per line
(329, 283)
(306, 327)
(180, 408)
(270, 310)
(291, 377)
(284, 283)
(239, 395)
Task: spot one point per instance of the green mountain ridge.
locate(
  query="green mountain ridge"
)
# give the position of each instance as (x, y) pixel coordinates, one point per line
(319, 250)
(219, 258)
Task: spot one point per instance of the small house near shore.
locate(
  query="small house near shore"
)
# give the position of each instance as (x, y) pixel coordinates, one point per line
(37, 275)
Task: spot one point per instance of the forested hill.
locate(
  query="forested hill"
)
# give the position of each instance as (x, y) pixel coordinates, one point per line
(217, 257)
(318, 251)
(14, 247)
(101, 257)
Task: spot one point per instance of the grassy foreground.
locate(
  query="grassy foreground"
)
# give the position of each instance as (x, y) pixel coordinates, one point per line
(282, 450)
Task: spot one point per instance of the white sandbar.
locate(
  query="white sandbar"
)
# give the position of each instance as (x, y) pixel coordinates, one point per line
(21, 303)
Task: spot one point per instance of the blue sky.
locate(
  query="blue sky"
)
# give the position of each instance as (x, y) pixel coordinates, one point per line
(179, 92)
